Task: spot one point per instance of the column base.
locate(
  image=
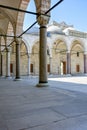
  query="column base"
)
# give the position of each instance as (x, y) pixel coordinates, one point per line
(17, 79)
(68, 75)
(42, 85)
(2, 76)
(85, 74)
(8, 77)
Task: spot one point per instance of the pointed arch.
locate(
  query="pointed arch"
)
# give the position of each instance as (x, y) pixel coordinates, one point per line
(27, 45)
(77, 41)
(77, 56)
(20, 18)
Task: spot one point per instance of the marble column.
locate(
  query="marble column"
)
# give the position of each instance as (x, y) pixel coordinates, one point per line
(50, 61)
(43, 57)
(1, 64)
(29, 63)
(85, 63)
(68, 63)
(43, 20)
(7, 62)
(17, 59)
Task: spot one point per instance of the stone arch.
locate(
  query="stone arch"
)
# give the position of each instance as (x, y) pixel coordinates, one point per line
(24, 58)
(61, 39)
(35, 48)
(23, 47)
(20, 19)
(27, 45)
(2, 43)
(79, 41)
(3, 52)
(77, 56)
(9, 17)
(10, 32)
(35, 57)
(59, 56)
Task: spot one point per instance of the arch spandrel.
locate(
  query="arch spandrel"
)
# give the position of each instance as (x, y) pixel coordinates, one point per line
(23, 47)
(60, 45)
(77, 56)
(7, 17)
(59, 39)
(27, 46)
(77, 41)
(59, 50)
(35, 57)
(35, 48)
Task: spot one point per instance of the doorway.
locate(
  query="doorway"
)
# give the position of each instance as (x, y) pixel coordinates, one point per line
(63, 67)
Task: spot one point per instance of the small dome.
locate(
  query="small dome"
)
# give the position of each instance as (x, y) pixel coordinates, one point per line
(54, 29)
(66, 31)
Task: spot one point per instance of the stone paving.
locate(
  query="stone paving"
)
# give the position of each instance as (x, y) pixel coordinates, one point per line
(61, 106)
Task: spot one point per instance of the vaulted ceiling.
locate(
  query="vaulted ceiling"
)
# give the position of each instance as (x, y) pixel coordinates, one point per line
(8, 15)
(11, 19)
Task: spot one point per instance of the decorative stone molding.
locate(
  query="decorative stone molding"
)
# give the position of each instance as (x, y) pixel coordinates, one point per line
(77, 34)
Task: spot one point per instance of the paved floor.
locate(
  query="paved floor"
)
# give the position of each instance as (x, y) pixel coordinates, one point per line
(61, 106)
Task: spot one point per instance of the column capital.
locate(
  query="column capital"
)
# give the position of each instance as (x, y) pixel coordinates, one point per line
(2, 52)
(85, 52)
(8, 49)
(50, 57)
(68, 51)
(42, 6)
(18, 40)
(43, 20)
(29, 55)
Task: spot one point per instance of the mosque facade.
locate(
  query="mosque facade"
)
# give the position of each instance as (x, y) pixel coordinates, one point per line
(66, 51)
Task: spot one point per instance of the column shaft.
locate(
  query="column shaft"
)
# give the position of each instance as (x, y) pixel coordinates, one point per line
(50, 60)
(1, 65)
(29, 62)
(85, 63)
(8, 63)
(17, 60)
(43, 55)
(68, 63)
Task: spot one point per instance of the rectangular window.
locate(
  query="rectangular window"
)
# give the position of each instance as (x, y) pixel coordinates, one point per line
(31, 68)
(77, 68)
(11, 68)
(64, 67)
(48, 68)
(77, 54)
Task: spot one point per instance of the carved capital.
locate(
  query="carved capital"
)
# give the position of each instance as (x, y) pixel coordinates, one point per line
(8, 49)
(29, 55)
(43, 20)
(18, 40)
(42, 6)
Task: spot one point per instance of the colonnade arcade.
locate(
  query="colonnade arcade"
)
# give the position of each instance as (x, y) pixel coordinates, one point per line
(11, 25)
(41, 55)
(62, 58)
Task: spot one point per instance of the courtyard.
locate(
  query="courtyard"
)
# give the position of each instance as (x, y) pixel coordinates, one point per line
(61, 106)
